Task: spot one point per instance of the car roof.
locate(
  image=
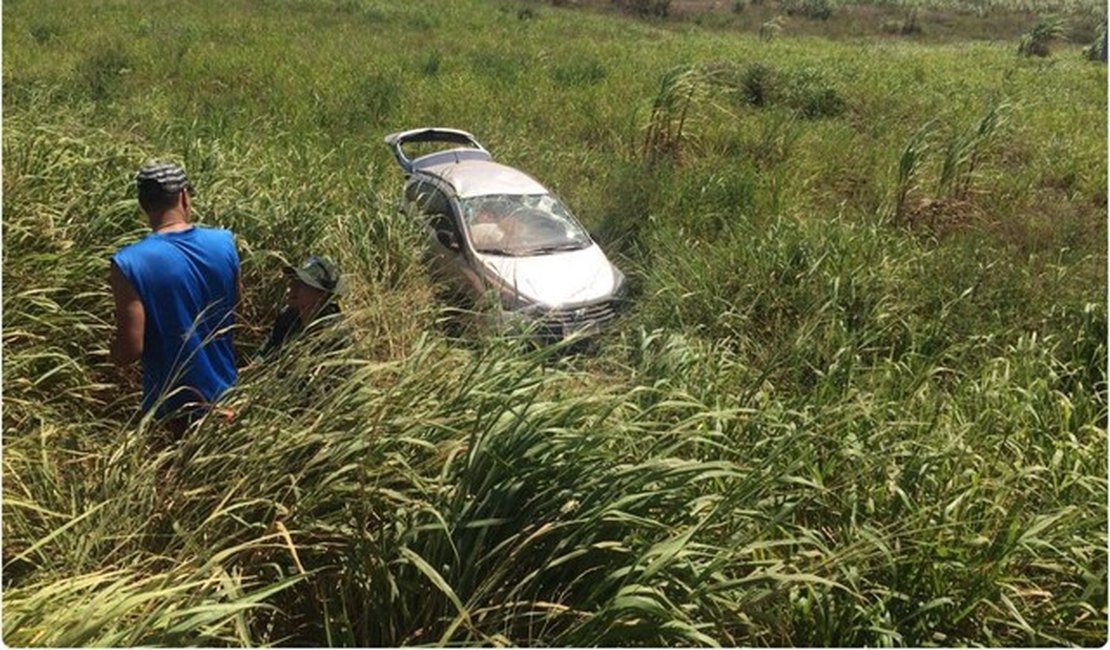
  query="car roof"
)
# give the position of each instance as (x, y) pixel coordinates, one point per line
(484, 177)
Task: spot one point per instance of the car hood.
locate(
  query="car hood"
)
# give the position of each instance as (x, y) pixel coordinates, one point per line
(557, 279)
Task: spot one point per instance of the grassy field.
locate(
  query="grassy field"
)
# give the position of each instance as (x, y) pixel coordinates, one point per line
(859, 396)
(922, 21)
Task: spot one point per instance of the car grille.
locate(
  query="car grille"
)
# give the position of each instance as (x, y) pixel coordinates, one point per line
(563, 322)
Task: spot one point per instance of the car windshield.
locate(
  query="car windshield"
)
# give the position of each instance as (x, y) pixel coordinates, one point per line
(521, 224)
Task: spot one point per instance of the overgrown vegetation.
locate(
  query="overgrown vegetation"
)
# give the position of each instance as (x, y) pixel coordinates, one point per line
(1096, 51)
(1038, 41)
(859, 397)
(651, 8)
(815, 9)
(936, 21)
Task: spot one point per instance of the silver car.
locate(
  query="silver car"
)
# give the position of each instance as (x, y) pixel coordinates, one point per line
(501, 242)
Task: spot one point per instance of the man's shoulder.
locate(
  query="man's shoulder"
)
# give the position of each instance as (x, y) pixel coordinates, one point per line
(200, 227)
(146, 243)
(219, 241)
(153, 248)
(214, 232)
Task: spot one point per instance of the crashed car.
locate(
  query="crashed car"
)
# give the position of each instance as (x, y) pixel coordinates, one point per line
(503, 244)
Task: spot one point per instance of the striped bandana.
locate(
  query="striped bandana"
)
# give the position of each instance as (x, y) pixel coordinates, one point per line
(170, 177)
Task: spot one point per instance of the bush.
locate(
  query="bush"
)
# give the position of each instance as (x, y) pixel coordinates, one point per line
(815, 9)
(1097, 51)
(757, 83)
(650, 8)
(770, 29)
(905, 27)
(1038, 41)
(820, 102)
(804, 90)
(808, 93)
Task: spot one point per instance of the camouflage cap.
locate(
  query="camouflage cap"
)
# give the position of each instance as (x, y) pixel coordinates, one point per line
(317, 272)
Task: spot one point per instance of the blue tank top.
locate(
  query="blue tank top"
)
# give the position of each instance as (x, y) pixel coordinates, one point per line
(187, 282)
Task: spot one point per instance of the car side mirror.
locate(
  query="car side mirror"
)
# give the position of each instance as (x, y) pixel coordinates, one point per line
(448, 239)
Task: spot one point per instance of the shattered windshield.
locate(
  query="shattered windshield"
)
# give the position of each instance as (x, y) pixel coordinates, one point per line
(521, 224)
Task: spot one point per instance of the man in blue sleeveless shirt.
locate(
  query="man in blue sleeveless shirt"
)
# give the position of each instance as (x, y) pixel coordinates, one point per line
(175, 292)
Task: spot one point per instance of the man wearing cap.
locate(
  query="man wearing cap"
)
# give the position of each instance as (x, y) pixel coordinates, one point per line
(175, 293)
(313, 288)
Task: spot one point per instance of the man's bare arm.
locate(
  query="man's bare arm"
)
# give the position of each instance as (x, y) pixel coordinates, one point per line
(127, 345)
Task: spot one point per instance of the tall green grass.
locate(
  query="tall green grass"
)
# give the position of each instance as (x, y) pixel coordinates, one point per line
(859, 397)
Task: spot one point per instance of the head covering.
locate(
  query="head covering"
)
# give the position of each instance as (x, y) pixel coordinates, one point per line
(166, 176)
(317, 272)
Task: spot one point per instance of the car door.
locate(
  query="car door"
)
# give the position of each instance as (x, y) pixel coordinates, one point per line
(447, 256)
